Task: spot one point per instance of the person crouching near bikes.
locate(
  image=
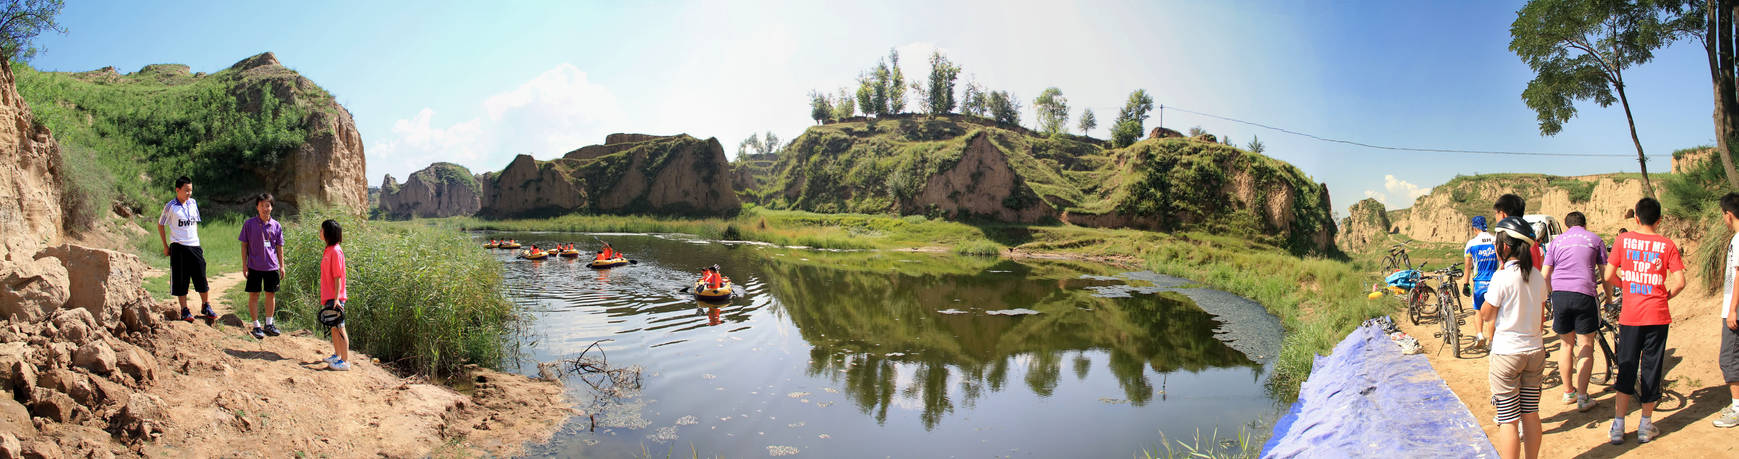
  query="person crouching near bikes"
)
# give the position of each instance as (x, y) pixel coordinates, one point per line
(1515, 306)
(1572, 264)
(1480, 258)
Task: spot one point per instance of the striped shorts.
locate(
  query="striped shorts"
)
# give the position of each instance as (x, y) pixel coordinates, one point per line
(1515, 384)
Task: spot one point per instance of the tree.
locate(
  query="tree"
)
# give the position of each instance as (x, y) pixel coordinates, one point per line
(21, 21)
(973, 101)
(1128, 128)
(939, 97)
(1579, 50)
(866, 96)
(1197, 131)
(1003, 107)
(895, 84)
(749, 146)
(1715, 25)
(1088, 122)
(844, 107)
(1256, 145)
(770, 143)
(1052, 110)
(819, 107)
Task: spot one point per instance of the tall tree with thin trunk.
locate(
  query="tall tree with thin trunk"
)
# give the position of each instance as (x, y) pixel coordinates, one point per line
(1088, 121)
(1579, 50)
(1714, 24)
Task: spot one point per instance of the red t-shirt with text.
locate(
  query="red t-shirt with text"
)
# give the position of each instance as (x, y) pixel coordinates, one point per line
(1643, 261)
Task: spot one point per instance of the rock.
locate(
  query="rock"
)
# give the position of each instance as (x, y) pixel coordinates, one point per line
(11, 355)
(1160, 133)
(528, 186)
(23, 377)
(76, 385)
(142, 316)
(10, 447)
(42, 449)
(440, 190)
(74, 325)
(33, 288)
(1366, 221)
(104, 281)
(980, 184)
(137, 363)
(54, 405)
(96, 357)
(670, 175)
(142, 418)
(59, 354)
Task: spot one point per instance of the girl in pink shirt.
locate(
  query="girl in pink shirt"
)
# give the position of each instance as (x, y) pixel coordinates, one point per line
(332, 292)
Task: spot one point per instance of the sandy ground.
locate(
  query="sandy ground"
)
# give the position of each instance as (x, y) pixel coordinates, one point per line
(1694, 390)
(231, 395)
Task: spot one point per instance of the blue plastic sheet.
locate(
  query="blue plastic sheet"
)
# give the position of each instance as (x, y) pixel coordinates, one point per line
(1368, 400)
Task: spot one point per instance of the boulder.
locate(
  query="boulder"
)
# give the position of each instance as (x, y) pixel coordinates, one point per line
(12, 354)
(10, 447)
(42, 449)
(74, 325)
(103, 281)
(142, 316)
(23, 378)
(33, 288)
(142, 418)
(137, 363)
(95, 356)
(54, 405)
(76, 385)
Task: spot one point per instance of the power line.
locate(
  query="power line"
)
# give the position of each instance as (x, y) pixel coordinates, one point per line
(1162, 108)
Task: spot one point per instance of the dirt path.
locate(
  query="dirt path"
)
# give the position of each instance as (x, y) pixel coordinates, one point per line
(1694, 390)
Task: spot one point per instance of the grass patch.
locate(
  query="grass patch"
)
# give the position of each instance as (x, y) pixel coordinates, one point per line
(1247, 443)
(979, 248)
(426, 299)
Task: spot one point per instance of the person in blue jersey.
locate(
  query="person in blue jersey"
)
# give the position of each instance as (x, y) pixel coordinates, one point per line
(1480, 258)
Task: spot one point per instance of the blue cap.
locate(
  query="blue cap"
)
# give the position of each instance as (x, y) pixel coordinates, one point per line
(1479, 222)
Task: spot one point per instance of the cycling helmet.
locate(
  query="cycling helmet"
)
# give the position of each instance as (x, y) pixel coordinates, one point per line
(1517, 228)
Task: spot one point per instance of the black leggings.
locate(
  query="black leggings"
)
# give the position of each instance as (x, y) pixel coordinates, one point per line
(186, 264)
(1644, 346)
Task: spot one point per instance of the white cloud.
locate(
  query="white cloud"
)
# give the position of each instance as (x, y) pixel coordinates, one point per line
(555, 112)
(1400, 190)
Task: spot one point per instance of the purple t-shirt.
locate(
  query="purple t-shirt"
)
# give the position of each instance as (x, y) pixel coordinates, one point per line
(262, 240)
(1576, 257)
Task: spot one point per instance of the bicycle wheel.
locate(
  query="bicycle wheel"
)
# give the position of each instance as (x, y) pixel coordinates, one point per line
(1407, 261)
(1388, 264)
(1608, 339)
(1451, 322)
(1416, 301)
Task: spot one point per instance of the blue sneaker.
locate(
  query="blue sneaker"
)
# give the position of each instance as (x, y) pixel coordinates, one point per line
(206, 311)
(339, 365)
(258, 333)
(331, 359)
(186, 315)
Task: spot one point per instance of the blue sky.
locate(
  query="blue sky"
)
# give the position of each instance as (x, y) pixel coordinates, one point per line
(477, 84)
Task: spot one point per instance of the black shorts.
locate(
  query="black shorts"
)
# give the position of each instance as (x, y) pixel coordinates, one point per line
(258, 281)
(1641, 361)
(1729, 354)
(1574, 312)
(186, 264)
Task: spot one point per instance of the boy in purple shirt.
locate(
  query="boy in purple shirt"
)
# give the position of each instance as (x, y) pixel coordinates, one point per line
(263, 254)
(1572, 264)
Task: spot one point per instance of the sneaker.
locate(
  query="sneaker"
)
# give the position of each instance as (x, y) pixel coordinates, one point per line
(186, 314)
(1728, 417)
(271, 329)
(206, 311)
(1646, 432)
(1617, 433)
(339, 365)
(1569, 398)
(258, 333)
(331, 359)
(1583, 403)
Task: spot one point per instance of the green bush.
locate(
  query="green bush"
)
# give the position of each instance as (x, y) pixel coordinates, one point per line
(1689, 193)
(425, 299)
(88, 190)
(979, 248)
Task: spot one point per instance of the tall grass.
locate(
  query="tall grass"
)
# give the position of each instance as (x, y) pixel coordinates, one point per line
(426, 299)
(1246, 444)
(217, 237)
(791, 228)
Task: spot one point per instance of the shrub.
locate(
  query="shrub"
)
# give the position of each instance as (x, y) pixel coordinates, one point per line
(426, 299)
(87, 190)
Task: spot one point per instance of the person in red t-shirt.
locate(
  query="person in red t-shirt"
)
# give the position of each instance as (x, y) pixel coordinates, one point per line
(1510, 205)
(1646, 266)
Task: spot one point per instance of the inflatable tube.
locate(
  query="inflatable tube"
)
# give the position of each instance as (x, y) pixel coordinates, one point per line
(491, 245)
(712, 294)
(509, 246)
(570, 254)
(538, 256)
(607, 264)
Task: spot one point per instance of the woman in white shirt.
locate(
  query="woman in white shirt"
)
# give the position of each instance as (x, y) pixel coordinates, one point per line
(1514, 308)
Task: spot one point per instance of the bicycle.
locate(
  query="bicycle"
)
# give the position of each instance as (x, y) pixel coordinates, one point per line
(1397, 258)
(1449, 306)
(1419, 298)
(1609, 332)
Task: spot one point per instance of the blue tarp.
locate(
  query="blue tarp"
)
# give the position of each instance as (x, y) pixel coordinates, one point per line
(1368, 400)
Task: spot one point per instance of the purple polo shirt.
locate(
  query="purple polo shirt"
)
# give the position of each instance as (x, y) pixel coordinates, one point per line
(1576, 257)
(262, 240)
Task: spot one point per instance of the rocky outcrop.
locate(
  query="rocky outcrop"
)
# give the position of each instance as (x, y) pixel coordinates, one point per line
(1685, 160)
(1443, 215)
(639, 174)
(981, 184)
(440, 190)
(1366, 221)
(30, 181)
(329, 167)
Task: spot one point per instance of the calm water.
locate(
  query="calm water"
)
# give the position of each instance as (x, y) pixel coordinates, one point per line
(876, 354)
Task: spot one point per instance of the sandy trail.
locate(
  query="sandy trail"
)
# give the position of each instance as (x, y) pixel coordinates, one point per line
(1694, 390)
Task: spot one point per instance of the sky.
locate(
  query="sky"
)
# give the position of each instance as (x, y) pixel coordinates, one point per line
(477, 83)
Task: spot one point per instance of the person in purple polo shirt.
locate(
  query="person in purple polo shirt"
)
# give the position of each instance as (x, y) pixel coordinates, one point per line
(1572, 265)
(263, 254)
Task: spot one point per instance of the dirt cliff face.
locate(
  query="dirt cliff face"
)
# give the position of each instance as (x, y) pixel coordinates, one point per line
(329, 168)
(981, 185)
(30, 180)
(1366, 221)
(640, 174)
(440, 190)
(1443, 215)
(527, 187)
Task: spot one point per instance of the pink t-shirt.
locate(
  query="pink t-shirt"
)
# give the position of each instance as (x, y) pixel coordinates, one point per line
(332, 275)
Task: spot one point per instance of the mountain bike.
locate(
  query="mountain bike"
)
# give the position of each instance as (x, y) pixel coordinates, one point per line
(1448, 306)
(1421, 299)
(1607, 336)
(1397, 259)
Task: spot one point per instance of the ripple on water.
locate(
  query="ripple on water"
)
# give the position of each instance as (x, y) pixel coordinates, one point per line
(1012, 312)
(778, 450)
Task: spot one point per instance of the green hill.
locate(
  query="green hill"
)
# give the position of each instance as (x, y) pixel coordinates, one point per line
(972, 169)
(255, 126)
